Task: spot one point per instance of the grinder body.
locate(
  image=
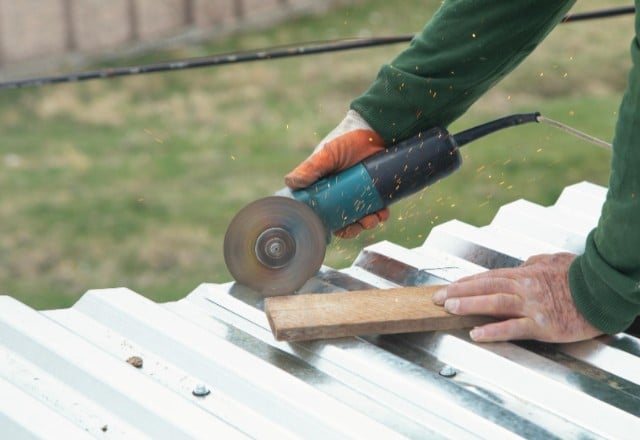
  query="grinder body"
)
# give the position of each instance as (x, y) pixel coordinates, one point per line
(381, 179)
(275, 244)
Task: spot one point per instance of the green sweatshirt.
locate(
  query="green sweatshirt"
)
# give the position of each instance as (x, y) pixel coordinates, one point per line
(466, 48)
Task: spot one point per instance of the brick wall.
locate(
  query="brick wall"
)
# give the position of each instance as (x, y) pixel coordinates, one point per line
(33, 32)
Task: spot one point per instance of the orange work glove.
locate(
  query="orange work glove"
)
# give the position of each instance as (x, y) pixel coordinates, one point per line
(349, 143)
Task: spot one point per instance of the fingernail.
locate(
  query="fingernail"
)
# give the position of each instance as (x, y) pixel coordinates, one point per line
(293, 181)
(451, 305)
(439, 297)
(476, 333)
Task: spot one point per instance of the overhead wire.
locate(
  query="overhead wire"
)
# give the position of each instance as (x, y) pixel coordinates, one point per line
(310, 48)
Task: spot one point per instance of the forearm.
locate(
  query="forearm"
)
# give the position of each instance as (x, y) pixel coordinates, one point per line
(605, 281)
(466, 48)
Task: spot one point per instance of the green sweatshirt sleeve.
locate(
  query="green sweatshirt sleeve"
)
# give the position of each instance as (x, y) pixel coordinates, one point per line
(466, 48)
(605, 280)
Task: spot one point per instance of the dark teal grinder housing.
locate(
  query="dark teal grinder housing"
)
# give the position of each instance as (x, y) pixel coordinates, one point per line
(382, 179)
(394, 173)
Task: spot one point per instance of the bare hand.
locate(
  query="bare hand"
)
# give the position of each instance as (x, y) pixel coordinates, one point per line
(534, 299)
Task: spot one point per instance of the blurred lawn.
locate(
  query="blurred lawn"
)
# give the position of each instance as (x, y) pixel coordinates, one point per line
(131, 182)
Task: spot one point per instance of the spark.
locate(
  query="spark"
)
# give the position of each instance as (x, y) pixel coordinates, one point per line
(12, 160)
(155, 138)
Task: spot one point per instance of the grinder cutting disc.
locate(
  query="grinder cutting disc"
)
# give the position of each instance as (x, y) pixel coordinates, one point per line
(274, 245)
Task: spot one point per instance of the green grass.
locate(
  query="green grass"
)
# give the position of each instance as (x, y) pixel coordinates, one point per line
(132, 182)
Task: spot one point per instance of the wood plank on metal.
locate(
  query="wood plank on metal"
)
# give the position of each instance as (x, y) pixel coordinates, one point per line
(364, 312)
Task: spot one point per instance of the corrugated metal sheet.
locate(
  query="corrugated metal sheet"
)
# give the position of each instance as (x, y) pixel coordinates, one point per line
(64, 373)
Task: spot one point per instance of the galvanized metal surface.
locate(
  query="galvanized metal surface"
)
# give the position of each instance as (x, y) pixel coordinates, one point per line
(207, 366)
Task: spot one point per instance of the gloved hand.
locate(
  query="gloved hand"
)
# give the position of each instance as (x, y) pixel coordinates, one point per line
(349, 143)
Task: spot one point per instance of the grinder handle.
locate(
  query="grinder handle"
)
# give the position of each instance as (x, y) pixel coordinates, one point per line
(413, 164)
(382, 179)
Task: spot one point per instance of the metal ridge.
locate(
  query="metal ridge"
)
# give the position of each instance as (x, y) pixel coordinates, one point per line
(116, 364)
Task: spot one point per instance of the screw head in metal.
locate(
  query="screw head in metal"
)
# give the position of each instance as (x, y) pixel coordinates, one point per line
(136, 361)
(448, 371)
(201, 390)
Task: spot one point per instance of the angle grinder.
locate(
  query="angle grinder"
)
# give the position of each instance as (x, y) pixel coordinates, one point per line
(275, 244)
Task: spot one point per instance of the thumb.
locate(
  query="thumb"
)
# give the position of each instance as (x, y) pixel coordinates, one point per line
(317, 165)
(338, 154)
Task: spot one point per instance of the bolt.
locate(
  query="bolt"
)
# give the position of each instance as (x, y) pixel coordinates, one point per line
(200, 390)
(448, 371)
(275, 248)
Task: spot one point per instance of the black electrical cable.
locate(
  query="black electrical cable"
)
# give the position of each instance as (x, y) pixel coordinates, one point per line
(215, 60)
(604, 13)
(259, 55)
(471, 134)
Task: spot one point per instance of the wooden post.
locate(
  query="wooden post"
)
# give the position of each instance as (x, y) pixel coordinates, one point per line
(2, 36)
(132, 12)
(238, 9)
(71, 42)
(189, 12)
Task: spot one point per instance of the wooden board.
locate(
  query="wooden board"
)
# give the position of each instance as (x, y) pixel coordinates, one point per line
(363, 312)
